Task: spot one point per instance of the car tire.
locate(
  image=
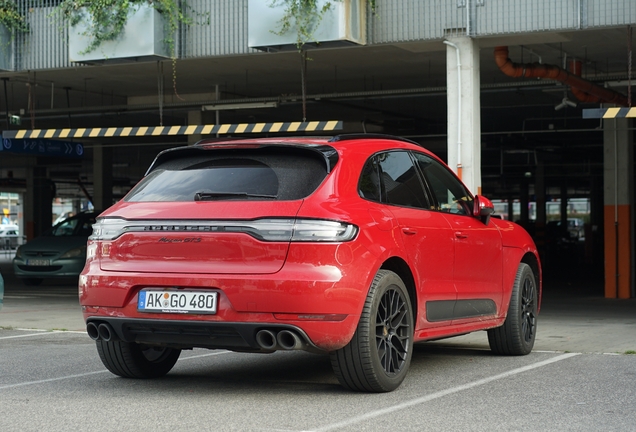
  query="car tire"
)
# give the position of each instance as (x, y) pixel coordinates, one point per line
(133, 360)
(516, 336)
(378, 356)
(32, 281)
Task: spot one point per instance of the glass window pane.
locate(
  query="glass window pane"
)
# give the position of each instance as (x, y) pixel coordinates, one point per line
(269, 174)
(369, 186)
(451, 195)
(400, 182)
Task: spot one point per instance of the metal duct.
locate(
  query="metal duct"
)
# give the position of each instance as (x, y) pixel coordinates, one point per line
(537, 70)
(575, 67)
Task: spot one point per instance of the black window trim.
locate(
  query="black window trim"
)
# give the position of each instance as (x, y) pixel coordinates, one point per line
(427, 193)
(438, 207)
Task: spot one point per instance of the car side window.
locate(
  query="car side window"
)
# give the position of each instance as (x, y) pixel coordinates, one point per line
(400, 183)
(369, 185)
(451, 195)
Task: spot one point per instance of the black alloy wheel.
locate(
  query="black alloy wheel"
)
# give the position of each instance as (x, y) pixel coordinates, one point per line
(378, 356)
(517, 334)
(392, 332)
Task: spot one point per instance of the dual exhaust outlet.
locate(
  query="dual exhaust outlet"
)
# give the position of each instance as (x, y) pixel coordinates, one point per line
(281, 340)
(101, 332)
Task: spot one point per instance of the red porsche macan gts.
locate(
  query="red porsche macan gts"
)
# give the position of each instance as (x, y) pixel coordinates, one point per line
(356, 246)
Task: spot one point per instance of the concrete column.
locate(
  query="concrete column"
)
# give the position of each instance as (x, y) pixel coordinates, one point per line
(539, 194)
(524, 201)
(464, 110)
(38, 209)
(618, 199)
(102, 177)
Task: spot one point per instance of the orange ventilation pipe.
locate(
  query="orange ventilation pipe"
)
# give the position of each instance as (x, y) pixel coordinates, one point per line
(575, 67)
(538, 70)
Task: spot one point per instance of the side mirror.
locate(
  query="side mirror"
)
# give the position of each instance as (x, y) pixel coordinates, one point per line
(483, 208)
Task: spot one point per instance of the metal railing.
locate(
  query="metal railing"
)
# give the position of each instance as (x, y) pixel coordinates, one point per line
(46, 45)
(412, 20)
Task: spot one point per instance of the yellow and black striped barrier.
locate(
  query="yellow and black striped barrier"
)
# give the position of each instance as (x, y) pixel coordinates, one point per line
(144, 131)
(609, 113)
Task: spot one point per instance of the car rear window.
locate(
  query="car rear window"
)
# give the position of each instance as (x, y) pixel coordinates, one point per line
(246, 174)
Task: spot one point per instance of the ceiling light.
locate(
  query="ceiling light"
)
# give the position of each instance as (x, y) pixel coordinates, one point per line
(233, 106)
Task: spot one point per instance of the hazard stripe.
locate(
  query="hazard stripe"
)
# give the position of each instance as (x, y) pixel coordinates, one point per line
(609, 113)
(241, 128)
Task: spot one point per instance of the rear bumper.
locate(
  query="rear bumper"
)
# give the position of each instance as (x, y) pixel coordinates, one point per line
(314, 336)
(233, 336)
(319, 303)
(320, 291)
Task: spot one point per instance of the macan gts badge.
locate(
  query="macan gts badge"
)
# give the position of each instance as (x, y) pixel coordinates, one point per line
(355, 246)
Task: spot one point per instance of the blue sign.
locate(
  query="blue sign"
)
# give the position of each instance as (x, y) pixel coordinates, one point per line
(43, 147)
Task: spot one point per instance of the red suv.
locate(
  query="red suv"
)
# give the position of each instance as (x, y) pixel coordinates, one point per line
(356, 246)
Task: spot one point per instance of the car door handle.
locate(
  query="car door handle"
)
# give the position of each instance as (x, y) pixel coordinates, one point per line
(409, 231)
(460, 235)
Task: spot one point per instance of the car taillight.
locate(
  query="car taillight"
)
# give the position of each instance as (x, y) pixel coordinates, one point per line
(108, 228)
(271, 229)
(323, 231)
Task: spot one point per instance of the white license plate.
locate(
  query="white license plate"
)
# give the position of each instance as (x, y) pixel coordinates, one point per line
(38, 262)
(184, 302)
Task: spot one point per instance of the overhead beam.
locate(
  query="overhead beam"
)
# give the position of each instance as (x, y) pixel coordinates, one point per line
(609, 113)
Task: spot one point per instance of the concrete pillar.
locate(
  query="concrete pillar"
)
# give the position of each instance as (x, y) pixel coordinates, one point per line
(524, 201)
(618, 198)
(464, 110)
(539, 194)
(102, 177)
(38, 209)
(564, 202)
(511, 210)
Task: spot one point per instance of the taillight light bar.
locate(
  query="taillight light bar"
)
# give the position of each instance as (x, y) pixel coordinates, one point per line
(267, 229)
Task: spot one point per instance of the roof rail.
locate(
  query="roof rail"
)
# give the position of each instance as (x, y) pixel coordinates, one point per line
(344, 137)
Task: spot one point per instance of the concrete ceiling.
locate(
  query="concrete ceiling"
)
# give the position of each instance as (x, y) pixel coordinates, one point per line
(408, 81)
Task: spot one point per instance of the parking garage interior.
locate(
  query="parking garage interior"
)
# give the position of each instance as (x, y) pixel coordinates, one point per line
(542, 163)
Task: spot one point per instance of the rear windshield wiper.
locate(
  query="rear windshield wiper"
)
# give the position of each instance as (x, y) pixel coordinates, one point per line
(211, 196)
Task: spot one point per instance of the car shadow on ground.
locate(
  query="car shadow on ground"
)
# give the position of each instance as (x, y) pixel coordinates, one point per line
(284, 372)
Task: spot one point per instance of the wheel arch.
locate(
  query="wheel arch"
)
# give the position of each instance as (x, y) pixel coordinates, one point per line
(398, 266)
(512, 257)
(532, 260)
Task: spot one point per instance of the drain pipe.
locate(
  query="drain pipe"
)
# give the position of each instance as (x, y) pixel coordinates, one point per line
(459, 110)
(536, 70)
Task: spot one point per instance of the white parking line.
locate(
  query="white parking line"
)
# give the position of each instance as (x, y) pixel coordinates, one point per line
(49, 380)
(358, 419)
(41, 333)
(27, 383)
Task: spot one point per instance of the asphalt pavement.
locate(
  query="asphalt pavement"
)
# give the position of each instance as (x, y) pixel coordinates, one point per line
(52, 379)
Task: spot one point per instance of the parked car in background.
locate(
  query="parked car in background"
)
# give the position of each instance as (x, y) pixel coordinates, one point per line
(9, 236)
(575, 228)
(58, 253)
(356, 246)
